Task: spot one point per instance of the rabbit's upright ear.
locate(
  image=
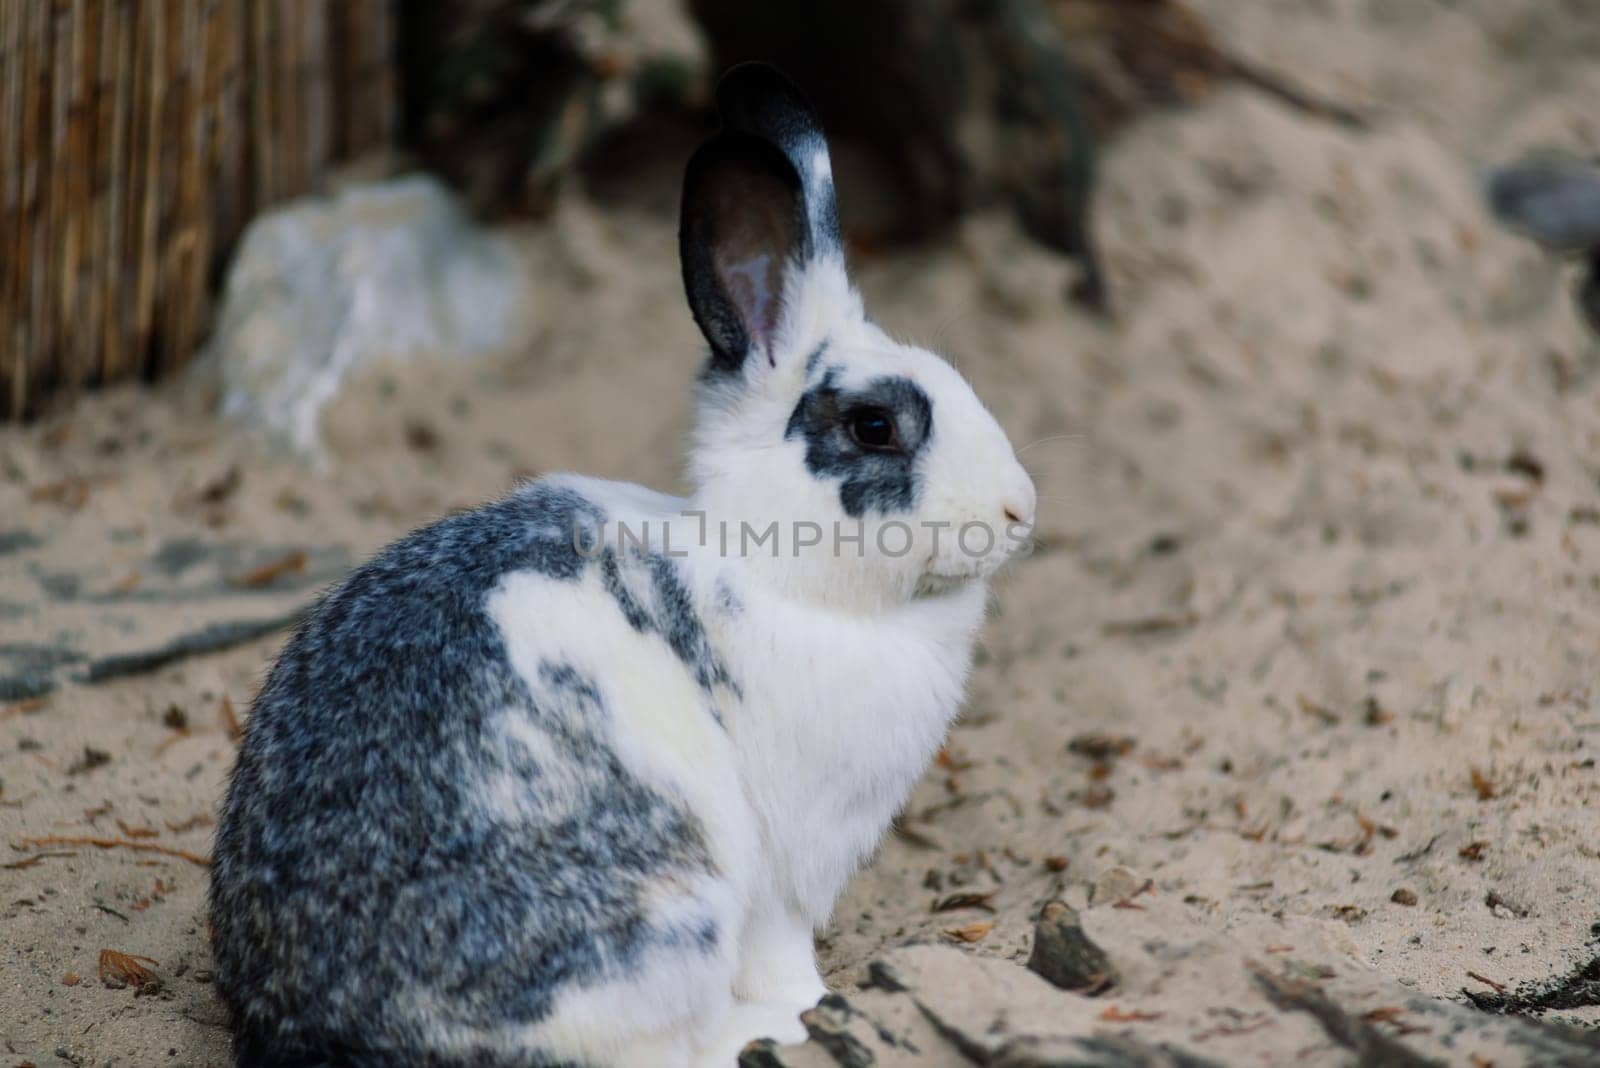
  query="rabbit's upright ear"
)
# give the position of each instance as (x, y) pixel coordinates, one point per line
(756, 99)
(740, 229)
(757, 203)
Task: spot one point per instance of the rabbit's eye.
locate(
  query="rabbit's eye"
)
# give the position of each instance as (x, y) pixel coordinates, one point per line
(873, 428)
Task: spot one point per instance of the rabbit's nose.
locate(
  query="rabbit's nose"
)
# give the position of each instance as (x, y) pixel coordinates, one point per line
(1018, 498)
(1019, 507)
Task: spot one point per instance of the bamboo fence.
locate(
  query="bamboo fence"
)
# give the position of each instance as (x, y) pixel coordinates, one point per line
(137, 138)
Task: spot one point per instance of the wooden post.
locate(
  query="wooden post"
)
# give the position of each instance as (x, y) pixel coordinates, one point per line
(137, 139)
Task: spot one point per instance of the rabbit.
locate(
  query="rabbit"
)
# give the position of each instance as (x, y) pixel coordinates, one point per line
(1555, 200)
(572, 779)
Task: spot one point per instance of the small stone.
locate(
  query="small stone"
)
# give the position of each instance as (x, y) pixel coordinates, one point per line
(1403, 896)
(92, 758)
(881, 976)
(1100, 746)
(1097, 796)
(1555, 200)
(1165, 544)
(828, 1026)
(1115, 884)
(762, 1053)
(1064, 956)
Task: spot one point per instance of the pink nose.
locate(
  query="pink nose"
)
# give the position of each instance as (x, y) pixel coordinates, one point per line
(1018, 511)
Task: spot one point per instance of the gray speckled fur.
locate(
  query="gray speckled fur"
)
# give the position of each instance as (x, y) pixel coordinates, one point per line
(358, 873)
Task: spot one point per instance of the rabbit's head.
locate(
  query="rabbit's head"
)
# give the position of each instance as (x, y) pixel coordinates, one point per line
(884, 474)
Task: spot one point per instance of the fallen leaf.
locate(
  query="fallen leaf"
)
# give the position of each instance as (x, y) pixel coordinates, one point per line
(53, 840)
(92, 758)
(1097, 796)
(221, 487)
(972, 932)
(1112, 1014)
(230, 721)
(1377, 715)
(126, 967)
(272, 570)
(1100, 746)
(69, 493)
(1312, 708)
(1499, 988)
(24, 707)
(965, 901)
(951, 762)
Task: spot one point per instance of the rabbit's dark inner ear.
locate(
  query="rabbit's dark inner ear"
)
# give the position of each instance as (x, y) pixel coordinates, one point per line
(740, 230)
(758, 99)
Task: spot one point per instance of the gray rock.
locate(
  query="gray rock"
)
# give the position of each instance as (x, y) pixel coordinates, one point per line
(18, 540)
(1189, 999)
(1555, 200)
(1064, 955)
(323, 287)
(28, 669)
(1115, 884)
(829, 1026)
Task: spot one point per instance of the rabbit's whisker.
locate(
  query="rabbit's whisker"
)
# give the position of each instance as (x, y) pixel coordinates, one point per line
(1075, 438)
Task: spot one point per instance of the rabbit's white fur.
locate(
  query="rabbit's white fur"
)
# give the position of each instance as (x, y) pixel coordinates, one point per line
(839, 714)
(848, 677)
(706, 734)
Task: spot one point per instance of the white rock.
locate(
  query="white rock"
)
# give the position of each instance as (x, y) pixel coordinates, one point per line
(323, 286)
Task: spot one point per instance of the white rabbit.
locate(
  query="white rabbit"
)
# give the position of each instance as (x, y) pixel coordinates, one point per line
(573, 778)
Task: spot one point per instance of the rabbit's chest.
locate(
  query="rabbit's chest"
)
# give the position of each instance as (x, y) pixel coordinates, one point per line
(836, 724)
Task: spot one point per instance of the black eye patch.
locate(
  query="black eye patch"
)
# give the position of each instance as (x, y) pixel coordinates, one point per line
(868, 439)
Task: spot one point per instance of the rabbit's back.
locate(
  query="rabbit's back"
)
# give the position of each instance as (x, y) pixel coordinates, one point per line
(461, 800)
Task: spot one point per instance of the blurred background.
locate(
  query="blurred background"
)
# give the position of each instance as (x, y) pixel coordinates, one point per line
(1290, 308)
(139, 139)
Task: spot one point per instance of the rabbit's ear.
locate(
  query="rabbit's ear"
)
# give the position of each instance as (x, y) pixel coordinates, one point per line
(757, 99)
(757, 203)
(743, 224)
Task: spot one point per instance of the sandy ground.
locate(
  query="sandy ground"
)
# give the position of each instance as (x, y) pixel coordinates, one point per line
(1304, 677)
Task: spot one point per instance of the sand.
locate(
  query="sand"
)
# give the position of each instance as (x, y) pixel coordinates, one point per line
(1303, 673)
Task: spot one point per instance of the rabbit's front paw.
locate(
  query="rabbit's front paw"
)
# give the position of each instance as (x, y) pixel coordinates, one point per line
(778, 964)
